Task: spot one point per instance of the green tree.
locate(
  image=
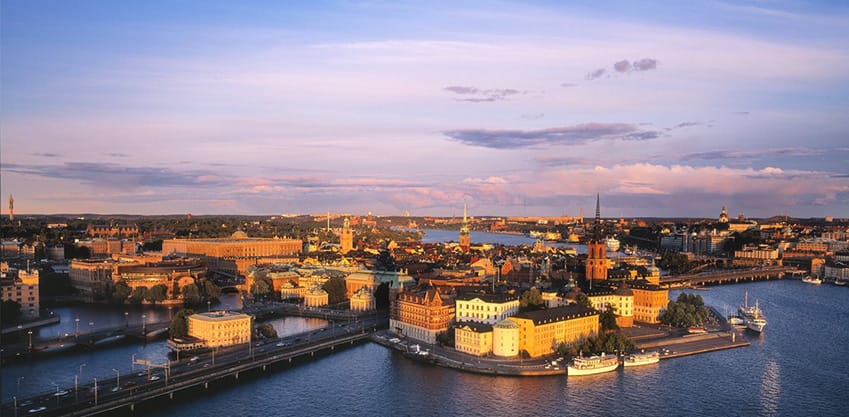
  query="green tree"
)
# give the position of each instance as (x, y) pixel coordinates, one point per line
(191, 294)
(582, 300)
(687, 310)
(608, 320)
(531, 300)
(120, 292)
(595, 345)
(179, 324)
(447, 338)
(336, 289)
(267, 330)
(212, 291)
(138, 294)
(10, 312)
(262, 286)
(157, 293)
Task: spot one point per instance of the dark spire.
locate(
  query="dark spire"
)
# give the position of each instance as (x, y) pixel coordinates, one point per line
(597, 209)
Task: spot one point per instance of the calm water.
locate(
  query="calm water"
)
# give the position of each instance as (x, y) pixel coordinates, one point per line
(442, 236)
(798, 367)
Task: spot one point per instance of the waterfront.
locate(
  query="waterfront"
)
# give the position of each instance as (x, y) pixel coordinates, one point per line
(508, 239)
(795, 368)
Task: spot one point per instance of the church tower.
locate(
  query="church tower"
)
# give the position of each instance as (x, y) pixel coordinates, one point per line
(596, 249)
(346, 238)
(465, 243)
(11, 208)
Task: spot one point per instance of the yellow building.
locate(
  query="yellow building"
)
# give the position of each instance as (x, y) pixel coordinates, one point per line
(290, 289)
(541, 331)
(316, 297)
(363, 300)
(473, 338)
(372, 279)
(650, 301)
(505, 339)
(22, 290)
(220, 328)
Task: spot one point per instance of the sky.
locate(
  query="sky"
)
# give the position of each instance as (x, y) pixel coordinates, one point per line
(514, 108)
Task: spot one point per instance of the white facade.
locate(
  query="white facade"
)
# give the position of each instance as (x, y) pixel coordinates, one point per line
(489, 312)
(505, 339)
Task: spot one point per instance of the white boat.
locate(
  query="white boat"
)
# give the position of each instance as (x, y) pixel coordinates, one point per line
(755, 319)
(642, 358)
(840, 282)
(737, 321)
(812, 280)
(612, 244)
(593, 365)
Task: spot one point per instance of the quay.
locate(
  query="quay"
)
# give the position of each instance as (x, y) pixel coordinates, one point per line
(199, 372)
(729, 276)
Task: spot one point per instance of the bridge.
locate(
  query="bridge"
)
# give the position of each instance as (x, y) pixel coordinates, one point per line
(224, 366)
(729, 276)
(147, 331)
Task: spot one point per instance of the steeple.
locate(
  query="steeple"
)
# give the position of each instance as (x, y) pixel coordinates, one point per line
(465, 242)
(11, 208)
(597, 209)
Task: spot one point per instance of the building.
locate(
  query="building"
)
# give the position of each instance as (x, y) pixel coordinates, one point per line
(473, 338)
(465, 238)
(760, 255)
(56, 252)
(371, 279)
(505, 339)
(238, 245)
(542, 331)
(421, 314)
(11, 208)
(220, 328)
(485, 308)
(106, 230)
(316, 297)
(291, 290)
(22, 289)
(346, 237)
(173, 273)
(104, 247)
(723, 215)
(363, 300)
(621, 300)
(92, 278)
(650, 301)
(597, 264)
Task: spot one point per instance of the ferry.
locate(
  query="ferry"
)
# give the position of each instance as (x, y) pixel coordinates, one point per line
(642, 358)
(755, 320)
(696, 330)
(593, 365)
(612, 244)
(812, 280)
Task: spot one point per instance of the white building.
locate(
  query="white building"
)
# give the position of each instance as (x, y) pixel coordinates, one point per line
(485, 308)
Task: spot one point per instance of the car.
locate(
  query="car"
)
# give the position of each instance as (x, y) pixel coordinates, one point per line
(206, 365)
(154, 378)
(61, 393)
(115, 389)
(394, 340)
(141, 373)
(194, 359)
(37, 409)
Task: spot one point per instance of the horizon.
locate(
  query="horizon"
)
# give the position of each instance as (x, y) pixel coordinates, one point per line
(514, 108)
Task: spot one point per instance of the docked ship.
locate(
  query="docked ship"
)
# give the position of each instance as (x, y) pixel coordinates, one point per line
(737, 321)
(593, 365)
(612, 244)
(812, 280)
(755, 319)
(642, 358)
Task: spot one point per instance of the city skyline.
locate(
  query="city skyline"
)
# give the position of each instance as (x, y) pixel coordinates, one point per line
(666, 110)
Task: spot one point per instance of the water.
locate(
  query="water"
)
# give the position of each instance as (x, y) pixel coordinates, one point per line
(442, 236)
(797, 367)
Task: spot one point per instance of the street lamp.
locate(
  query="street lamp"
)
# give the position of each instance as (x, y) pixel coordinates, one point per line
(126, 319)
(144, 324)
(208, 306)
(76, 327)
(118, 379)
(29, 332)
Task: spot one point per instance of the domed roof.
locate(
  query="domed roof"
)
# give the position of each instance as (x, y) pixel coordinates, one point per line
(316, 291)
(506, 324)
(239, 234)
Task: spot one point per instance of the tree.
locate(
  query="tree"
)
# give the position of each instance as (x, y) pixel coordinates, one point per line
(608, 320)
(191, 294)
(138, 294)
(582, 300)
(381, 296)
(603, 343)
(267, 330)
(212, 291)
(531, 300)
(262, 286)
(120, 292)
(336, 290)
(179, 324)
(157, 293)
(10, 312)
(687, 310)
(447, 338)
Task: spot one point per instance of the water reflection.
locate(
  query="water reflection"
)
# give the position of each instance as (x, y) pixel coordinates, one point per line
(770, 388)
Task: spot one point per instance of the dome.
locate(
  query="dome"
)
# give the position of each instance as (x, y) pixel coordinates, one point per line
(239, 234)
(316, 291)
(506, 324)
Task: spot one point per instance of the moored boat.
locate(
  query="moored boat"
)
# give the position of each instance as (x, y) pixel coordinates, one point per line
(642, 358)
(593, 365)
(696, 330)
(755, 319)
(840, 282)
(736, 321)
(812, 280)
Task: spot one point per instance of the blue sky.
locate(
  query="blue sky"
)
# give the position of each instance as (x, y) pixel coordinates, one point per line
(667, 109)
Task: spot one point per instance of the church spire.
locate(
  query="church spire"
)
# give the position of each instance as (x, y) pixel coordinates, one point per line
(597, 209)
(464, 213)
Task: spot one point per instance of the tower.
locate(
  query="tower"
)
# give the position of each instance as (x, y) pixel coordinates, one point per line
(11, 208)
(596, 249)
(465, 243)
(723, 215)
(346, 238)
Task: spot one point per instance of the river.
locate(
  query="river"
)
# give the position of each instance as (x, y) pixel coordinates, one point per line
(797, 367)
